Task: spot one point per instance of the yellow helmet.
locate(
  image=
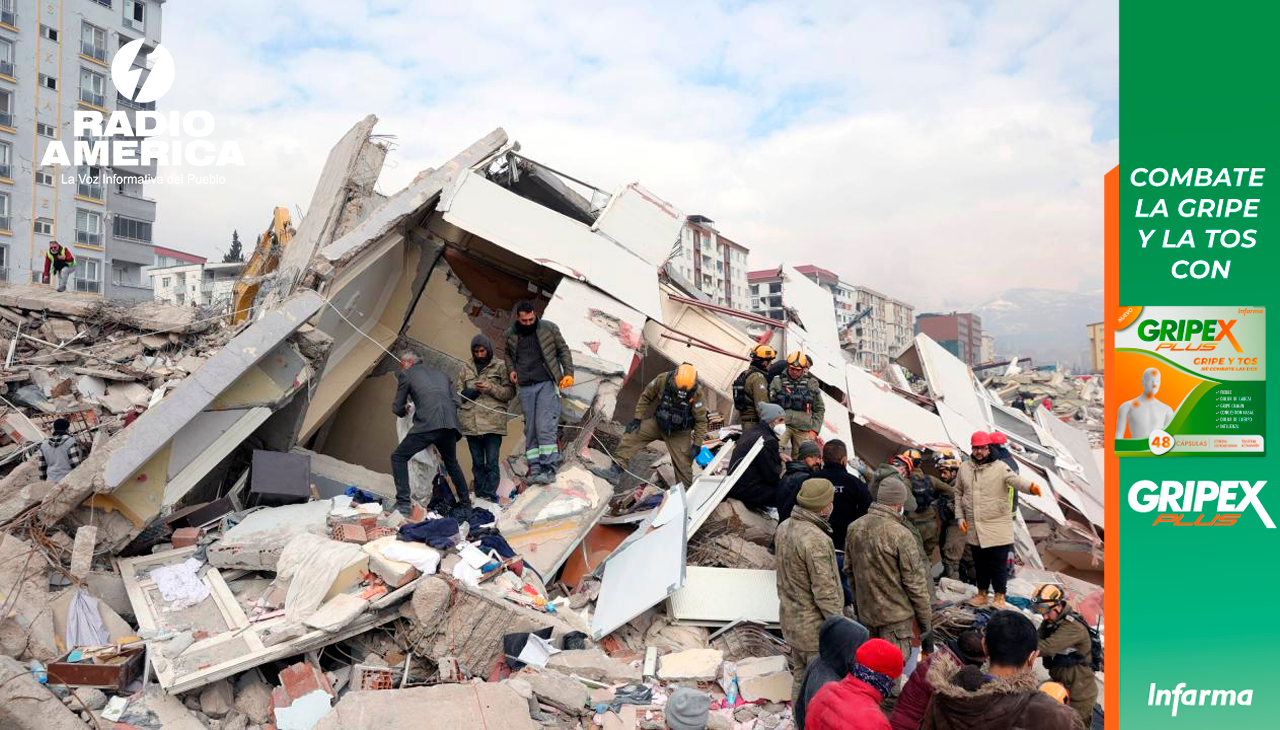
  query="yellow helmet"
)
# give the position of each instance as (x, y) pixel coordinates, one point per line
(763, 352)
(915, 454)
(1056, 691)
(1047, 597)
(686, 376)
(798, 359)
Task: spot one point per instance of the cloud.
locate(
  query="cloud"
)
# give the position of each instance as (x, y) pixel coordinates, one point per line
(944, 150)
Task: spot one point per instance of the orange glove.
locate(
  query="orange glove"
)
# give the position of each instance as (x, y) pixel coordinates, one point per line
(1035, 490)
(566, 382)
(964, 526)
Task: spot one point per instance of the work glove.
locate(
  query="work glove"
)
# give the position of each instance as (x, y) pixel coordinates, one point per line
(566, 382)
(694, 450)
(470, 393)
(633, 426)
(1035, 490)
(926, 643)
(964, 526)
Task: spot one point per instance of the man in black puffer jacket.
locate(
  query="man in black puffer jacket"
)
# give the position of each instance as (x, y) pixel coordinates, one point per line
(758, 487)
(838, 642)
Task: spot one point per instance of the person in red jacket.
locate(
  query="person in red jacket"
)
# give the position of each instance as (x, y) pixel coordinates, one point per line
(908, 713)
(61, 261)
(853, 703)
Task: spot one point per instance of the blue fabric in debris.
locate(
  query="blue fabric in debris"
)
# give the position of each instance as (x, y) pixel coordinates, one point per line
(498, 544)
(441, 534)
(359, 496)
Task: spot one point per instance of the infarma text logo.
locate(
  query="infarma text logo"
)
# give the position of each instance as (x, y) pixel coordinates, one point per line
(1199, 503)
(150, 137)
(1181, 696)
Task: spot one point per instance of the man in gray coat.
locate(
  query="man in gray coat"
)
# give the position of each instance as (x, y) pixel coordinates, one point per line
(59, 453)
(435, 423)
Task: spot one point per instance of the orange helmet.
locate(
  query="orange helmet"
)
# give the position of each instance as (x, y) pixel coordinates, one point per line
(686, 376)
(905, 461)
(1056, 691)
(1047, 597)
(798, 359)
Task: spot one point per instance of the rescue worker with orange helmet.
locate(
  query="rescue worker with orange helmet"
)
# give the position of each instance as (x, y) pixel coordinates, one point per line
(800, 396)
(986, 487)
(670, 410)
(751, 387)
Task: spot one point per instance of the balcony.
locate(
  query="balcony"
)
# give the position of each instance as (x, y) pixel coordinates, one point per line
(88, 97)
(128, 103)
(6, 68)
(92, 190)
(88, 239)
(6, 172)
(5, 221)
(8, 17)
(6, 119)
(96, 52)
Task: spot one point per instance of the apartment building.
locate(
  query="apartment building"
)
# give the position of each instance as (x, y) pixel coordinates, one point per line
(196, 285)
(54, 59)
(959, 332)
(844, 295)
(713, 262)
(881, 327)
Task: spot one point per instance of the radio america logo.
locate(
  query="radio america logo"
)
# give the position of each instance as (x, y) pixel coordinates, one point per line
(1199, 503)
(142, 137)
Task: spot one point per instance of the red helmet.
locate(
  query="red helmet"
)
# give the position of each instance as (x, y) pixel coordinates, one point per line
(998, 438)
(980, 438)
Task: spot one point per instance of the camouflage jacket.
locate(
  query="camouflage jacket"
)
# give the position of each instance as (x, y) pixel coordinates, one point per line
(886, 569)
(883, 472)
(808, 581)
(808, 419)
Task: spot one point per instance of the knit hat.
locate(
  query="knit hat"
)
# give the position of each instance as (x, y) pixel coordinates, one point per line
(769, 412)
(892, 490)
(815, 494)
(688, 709)
(61, 425)
(880, 656)
(809, 448)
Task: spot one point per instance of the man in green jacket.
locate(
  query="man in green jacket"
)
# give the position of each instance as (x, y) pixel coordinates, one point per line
(1066, 649)
(486, 389)
(751, 387)
(541, 366)
(808, 581)
(887, 571)
(679, 420)
(800, 396)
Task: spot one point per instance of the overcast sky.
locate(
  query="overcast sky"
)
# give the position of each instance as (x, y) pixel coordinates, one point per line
(934, 151)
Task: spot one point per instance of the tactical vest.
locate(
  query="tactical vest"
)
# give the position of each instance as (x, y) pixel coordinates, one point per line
(742, 400)
(674, 414)
(1073, 658)
(797, 396)
(922, 490)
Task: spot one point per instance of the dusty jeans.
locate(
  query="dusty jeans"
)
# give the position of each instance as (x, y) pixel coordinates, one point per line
(446, 442)
(541, 405)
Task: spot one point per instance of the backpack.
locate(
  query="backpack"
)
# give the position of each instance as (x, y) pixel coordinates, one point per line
(1095, 647)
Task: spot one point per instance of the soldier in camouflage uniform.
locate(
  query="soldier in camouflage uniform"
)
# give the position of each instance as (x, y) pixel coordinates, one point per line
(1067, 649)
(809, 589)
(926, 490)
(886, 569)
(953, 540)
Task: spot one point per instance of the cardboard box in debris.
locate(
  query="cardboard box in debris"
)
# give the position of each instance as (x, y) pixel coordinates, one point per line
(225, 558)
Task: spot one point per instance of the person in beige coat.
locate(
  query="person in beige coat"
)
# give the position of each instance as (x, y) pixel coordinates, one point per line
(986, 488)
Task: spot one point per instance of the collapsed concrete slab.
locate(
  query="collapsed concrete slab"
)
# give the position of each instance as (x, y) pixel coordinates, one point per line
(25, 704)
(256, 543)
(455, 706)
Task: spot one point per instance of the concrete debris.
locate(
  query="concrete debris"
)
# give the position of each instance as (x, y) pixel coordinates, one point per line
(199, 552)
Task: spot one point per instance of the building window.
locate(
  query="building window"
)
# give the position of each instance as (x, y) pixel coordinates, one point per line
(166, 282)
(7, 14)
(88, 227)
(89, 183)
(49, 33)
(44, 176)
(4, 211)
(93, 42)
(104, 3)
(46, 130)
(44, 227)
(6, 161)
(49, 82)
(6, 57)
(129, 228)
(93, 87)
(135, 14)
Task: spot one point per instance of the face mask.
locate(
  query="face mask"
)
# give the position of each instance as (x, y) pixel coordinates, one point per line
(780, 428)
(527, 329)
(482, 362)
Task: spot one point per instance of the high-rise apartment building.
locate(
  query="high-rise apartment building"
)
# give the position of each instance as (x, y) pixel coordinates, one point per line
(55, 58)
(959, 332)
(881, 328)
(713, 263)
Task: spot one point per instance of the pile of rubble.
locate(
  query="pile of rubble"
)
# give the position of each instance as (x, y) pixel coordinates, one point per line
(1077, 399)
(228, 559)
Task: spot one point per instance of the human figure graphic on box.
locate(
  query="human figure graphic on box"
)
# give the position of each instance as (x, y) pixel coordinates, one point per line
(1145, 414)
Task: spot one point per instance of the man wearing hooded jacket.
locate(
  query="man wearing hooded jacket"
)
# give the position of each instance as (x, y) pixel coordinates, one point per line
(486, 390)
(986, 487)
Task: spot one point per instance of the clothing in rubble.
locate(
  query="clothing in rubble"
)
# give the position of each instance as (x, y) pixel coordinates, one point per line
(435, 423)
(677, 418)
(486, 390)
(497, 543)
(542, 361)
(801, 399)
(441, 534)
(758, 486)
(838, 642)
(969, 699)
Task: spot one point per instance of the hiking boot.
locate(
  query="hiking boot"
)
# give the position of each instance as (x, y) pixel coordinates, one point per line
(978, 600)
(613, 474)
(1000, 603)
(541, 476)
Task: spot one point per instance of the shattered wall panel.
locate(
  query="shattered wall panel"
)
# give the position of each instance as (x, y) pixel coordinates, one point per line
(595, 324)
(714, 369)
(641, 222)
(719, 596)
(951, 382)
(877, 406)
(522, 226)
(815, 307)
(641, 575)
